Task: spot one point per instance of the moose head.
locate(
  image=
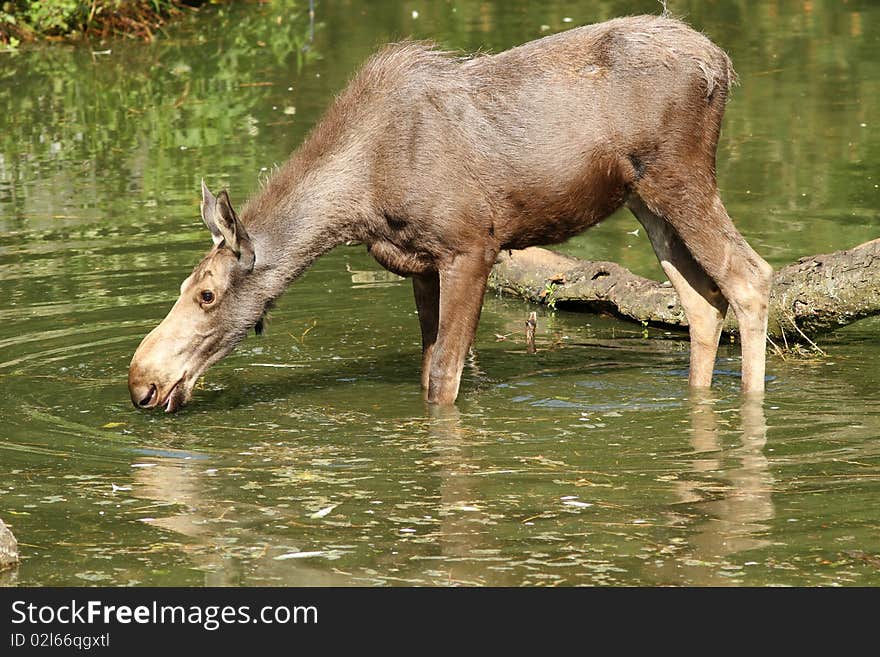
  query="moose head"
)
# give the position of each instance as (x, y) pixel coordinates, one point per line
(219, 302)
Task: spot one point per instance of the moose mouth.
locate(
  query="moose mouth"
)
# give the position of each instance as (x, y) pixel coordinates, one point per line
(174, 399)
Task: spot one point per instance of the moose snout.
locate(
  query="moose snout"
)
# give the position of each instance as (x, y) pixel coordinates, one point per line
(143, 391)
(142, 386)
(155, 378)
(150, 386)
(149, 392)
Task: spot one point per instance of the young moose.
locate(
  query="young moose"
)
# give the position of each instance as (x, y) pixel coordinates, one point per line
(437, 163)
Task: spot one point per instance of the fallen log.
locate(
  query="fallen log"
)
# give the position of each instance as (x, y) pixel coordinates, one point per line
(814, 295)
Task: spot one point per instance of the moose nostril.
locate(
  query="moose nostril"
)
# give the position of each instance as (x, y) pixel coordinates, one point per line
(149, 397)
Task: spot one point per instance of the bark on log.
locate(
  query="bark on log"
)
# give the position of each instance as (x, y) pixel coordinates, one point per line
(815, 295)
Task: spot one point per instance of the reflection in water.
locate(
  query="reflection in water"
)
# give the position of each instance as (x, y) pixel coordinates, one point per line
(731, 489)
(221, 542)
(441, 522)
(462, 511)
(176, 483)
(234, 544)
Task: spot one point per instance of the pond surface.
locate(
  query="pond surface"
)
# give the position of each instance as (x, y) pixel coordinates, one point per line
(308, 456)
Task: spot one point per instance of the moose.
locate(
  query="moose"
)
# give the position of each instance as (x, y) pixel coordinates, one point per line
(437, 162)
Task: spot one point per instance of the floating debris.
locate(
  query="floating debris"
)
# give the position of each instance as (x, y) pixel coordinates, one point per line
(323, 512)
(327, 554)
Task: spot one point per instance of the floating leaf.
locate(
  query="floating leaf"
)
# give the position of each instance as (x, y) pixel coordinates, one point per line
(323, 512)
(303, 555)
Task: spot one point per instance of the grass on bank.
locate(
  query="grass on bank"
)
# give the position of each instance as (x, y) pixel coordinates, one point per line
(28, 20)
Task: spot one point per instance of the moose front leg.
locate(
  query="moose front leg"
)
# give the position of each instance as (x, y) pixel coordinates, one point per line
(426, 288)
(462, 284)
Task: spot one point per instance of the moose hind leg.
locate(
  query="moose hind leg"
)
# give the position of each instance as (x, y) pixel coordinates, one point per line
(744, 278)
(426, 288)
(701, 299)
(462, 284)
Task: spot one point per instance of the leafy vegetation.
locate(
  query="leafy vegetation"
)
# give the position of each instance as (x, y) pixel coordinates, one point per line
(28, 19)
(215, 94)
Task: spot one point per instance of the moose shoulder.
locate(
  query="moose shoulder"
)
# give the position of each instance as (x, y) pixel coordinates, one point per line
(437, 162)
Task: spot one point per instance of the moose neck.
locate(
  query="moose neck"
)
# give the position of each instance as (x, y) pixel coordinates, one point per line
(308, 207)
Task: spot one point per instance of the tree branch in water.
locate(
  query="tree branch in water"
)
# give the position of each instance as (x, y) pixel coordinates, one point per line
(814, 295)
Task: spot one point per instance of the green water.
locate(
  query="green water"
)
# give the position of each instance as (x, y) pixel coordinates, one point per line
(308, 456)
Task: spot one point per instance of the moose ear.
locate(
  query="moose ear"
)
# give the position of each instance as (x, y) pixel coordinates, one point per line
(225, 226)
(209, 205)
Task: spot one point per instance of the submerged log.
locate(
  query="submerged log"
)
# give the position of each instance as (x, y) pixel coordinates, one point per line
(814, 295)
(8, 547)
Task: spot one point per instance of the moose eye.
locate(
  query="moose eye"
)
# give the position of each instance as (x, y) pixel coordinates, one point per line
(207, 296)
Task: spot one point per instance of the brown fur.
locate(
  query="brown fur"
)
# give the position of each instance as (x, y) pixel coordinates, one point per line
(437, 162)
